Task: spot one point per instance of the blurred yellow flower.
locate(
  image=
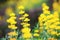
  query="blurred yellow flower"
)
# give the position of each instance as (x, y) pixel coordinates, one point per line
(12, 33)
(36, 30)
(46, 12)
(21, 12)
(26, 25)
(45, 7)
(26, 30)
(36, 34)
(12, 27)
(56, 14)
(57, 27)
(52, 26)
(11, 14)
(11, 21)
(20, 7)
(12, 39)
(26, 19)
(27, 35)
(25, 15)
(13, 17)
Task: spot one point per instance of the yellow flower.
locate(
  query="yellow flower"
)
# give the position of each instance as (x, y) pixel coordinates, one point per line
(27, 35)
(23, 23)
(36, 34)
(13, 18)
(46, 12)
(26, 30)
(26, 19)
(12, 33)
(12, 27)
(11, 21)
(57, 22)
(36, 30)
(49, 17)
(44, 6)
(56, 15)
(41, 24)
(57, 27)
(44, 16)
(21, 12)
(20, 7)
(12, 14)
(26, 25)
(53, 33)
(12, 39)
(52, 26)
(25, 15)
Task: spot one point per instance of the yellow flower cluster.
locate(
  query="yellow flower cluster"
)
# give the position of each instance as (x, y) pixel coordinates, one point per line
(11, 20)
(45, 9)
(36, 33)
(12, 23)
(48, 21)
(24, 18)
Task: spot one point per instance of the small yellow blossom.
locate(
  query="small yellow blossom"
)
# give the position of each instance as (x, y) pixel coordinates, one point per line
(26, 19)
(56, 15)
(44, 6)
(12, 39)
(21, 12)
(13, 18)
(20, 7)
(11, 21)
(26, 30)
(12, 33)
(36, 30)
(27, 35)
(12, 27)
(12, 14)
(36, 34)
(25, 15)
(46, 12)
(52, 26)
(26, 25)
(57, 27)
